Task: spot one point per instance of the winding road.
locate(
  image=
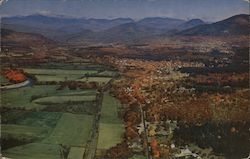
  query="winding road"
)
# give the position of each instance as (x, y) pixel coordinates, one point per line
(17, 85)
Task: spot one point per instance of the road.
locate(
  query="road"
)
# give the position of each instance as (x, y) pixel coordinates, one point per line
(143, 119)
(17, 85)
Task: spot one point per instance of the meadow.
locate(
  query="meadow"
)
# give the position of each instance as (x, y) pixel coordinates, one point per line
(41, 119)
(36, 97)
(111, 126)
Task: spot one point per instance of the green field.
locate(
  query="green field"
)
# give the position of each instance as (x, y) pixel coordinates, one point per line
(110, 108)
(76, 153)
(110, 135)
(138, 157)
(21, 98)
(34, 151)
(57, 78)
(64, 99)
(48, 74)
(44, 75)
(3, 80)
(37, 71)
(73, 77)
(39, 119)
(111, 126)
(72, 66)
(29, 97)
(107, 73)
(25, 132)
(71, 130)
(101, 80)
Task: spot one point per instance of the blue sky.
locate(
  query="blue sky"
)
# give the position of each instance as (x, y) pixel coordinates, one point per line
(209, 10)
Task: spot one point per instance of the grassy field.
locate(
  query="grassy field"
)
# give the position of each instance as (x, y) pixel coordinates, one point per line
(138, 157)
(29, 97)
(71, 130)
(37, 71)
(3, 80)
(20, 131)
(57, 78)
(58, 75)
(107, 73)
(64, 99)
(34, 151)
(21, 98)
(101, 80)
(72, 66)
(76, 153)
(40, 119)
(111, 126)
(109, 112)
(74, 73)
(48, 117)
(110, 135)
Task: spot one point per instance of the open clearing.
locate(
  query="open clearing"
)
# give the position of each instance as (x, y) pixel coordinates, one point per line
(76, 153)
(58, 71)
(87, 75)
(111, 126)
(3, 80)
(101, 80)
(20, 131)
(40, 119)
(110, 108)
(64, 99)
(57, 78)
(28, 97)
(71, 130)
(21, 98)
(34, 151)
(110, 135)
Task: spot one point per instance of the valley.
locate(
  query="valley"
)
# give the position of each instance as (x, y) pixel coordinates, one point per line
(124, 90)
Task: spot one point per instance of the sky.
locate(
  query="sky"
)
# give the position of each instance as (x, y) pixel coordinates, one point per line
(208, 10)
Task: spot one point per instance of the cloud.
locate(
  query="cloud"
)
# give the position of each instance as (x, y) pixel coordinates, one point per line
(43, 12)
(3, 1)
(247, 1)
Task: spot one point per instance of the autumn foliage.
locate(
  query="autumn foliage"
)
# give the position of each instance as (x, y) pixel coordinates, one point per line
(14, 75)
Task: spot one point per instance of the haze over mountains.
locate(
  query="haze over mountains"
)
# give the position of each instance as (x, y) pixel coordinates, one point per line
(122, 29)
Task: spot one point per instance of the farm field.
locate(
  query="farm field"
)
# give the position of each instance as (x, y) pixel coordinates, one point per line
(78, 65)
(20, 131)
(101, 80)
(22, 97)
(34, 151)
(71, 130)
(29, 97)
(137, 157)
(3, 80)
(111, 126)
(76, 153)
(110, 135)
(41, 119)
(110, 109)
(59, 75)
(64, 99)
(58, 71)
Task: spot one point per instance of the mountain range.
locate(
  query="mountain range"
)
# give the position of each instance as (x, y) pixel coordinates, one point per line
(236, 25)
(122, 29)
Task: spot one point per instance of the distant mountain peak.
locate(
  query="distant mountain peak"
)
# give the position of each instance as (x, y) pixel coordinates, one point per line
(235, 25)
